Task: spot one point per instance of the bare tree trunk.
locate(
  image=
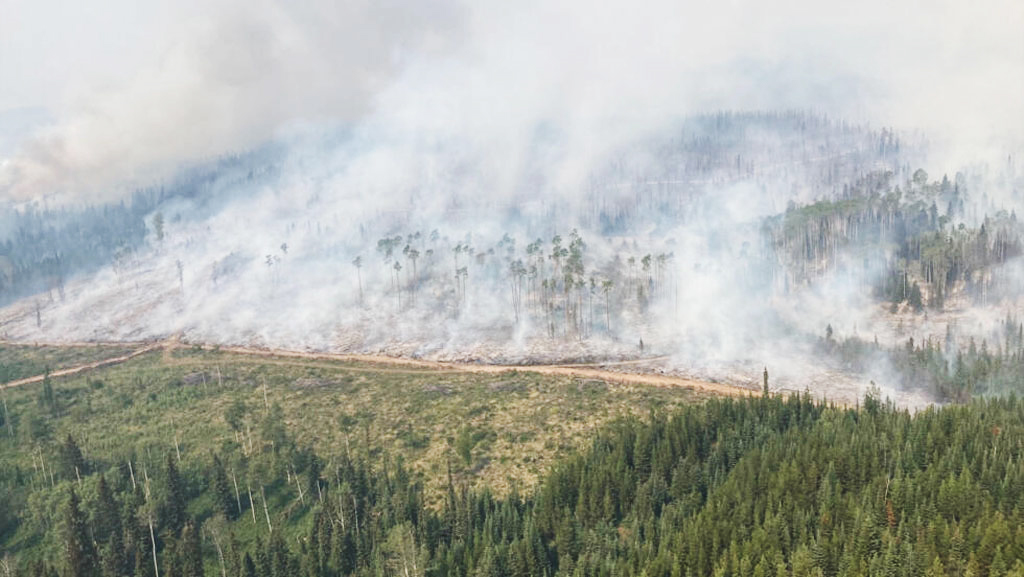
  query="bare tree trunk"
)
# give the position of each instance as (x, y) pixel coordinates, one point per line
(238, 500)
(177, 449)
(608, 311)
(252, 506)
(355, 513)
(152, 539)
(248, 432)
(341, 502)
(263, 495)
(298, 486)
(220, 553)
(7, 418)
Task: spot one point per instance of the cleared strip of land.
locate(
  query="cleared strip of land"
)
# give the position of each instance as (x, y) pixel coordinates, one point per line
(597, 371)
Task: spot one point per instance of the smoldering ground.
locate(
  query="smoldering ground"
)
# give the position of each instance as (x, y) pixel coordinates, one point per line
(483, 120)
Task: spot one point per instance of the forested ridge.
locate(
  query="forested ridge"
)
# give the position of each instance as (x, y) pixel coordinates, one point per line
(761, 486)
(949, 372)
(42, 247)
(913, 238)
(659, 181)
(766, 486)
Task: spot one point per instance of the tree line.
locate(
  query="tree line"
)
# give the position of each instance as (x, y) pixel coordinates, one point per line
(751, 487)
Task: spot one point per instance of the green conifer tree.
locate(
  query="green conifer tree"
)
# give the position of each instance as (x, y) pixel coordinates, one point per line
(174, 504)
(80, 553)
(191, 550)
(226, 502)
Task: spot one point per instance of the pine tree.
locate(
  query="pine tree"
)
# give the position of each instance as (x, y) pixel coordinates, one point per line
(107, 517)
(191, 550)
(142, 561)
(998, 566)
(313, 477)
(272, 428)
(80, 552)
(248, 566)
(47, 398)
(108, 531)
(278, 555)
(234, 560)
(174, 505)
(111, 563)
(263, 567)
(171, 565)
(226, 502)
(72, 464)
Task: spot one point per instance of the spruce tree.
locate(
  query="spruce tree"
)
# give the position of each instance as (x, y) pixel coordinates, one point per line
(79, 550)
(72, 463)
(107, 517)
(313, 477)
(234, 561)
(171, 562)
(108, 531)
(174, 504)
(47, 398)
(141, 559)
(248, 566)
(191, 550)
(226, 502)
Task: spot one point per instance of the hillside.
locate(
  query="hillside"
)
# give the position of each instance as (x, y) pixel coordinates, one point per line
(273, 466)
(723, 242)
(264, 415)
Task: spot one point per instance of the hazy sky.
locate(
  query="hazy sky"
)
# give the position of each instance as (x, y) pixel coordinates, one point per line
(133, 89)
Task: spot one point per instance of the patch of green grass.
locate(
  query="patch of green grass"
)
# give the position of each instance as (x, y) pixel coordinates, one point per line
(517, 422)
(21, 361)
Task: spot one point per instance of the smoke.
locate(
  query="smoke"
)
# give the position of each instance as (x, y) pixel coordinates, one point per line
(221, 78)
(197, 80)
(481, 119)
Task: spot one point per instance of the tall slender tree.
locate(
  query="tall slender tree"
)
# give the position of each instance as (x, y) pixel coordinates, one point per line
(226, 502)
(174, 504)
(80, 552)
(191, 550)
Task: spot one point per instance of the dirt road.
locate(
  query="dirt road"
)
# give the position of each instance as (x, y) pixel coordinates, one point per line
(589, 371)
(82, 368)
(597, 371)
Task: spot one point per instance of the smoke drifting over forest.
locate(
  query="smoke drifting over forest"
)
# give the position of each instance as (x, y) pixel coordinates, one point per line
(376, 177)
(146, 88)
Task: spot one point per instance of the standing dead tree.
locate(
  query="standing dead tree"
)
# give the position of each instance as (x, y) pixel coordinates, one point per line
(358, 263)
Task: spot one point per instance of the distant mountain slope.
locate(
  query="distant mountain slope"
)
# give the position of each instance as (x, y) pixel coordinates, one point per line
(729, 241)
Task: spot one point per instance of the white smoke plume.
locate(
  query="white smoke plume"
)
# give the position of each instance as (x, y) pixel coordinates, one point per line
(148, 88)
(480, 119)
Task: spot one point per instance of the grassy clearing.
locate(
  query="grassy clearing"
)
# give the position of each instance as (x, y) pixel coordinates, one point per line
(19, 361)
(495, 430)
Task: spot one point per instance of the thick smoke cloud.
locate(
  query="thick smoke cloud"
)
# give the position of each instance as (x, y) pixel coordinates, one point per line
(194, 80)
(485, 118)
(222, 77)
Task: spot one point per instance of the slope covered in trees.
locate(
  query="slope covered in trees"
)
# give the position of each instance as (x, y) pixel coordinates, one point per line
(241, 421)
(42, 247)
(724, 240)
(762, 486)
